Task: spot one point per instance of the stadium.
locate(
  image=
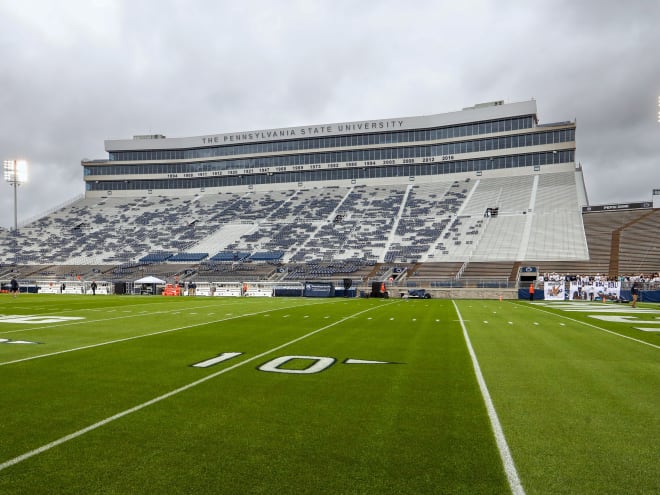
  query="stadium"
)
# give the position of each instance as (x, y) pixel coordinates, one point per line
(353, 313)
(448, 201)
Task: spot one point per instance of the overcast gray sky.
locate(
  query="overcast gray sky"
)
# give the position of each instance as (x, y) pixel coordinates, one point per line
(75, 73)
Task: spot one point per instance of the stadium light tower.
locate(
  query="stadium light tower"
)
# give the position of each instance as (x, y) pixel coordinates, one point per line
(15, 172)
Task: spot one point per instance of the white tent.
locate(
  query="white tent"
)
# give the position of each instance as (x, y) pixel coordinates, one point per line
(150, 280)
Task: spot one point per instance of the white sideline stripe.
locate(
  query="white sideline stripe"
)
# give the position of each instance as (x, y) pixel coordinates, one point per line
(502, 445)
(134, 337)
(599, 328)
(103, 422)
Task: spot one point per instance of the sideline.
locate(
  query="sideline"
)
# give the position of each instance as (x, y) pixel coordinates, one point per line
(103, 422)
(591, 325)
(502, 445)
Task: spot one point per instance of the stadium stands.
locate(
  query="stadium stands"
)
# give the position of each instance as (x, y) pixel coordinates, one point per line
(188, 257)
(639, 244)
(429, 231)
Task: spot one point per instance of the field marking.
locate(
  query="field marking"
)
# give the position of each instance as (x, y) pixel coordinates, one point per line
(134, 337)
(597, 327)
(505, 454)
(582, 307)
(103, 422)
(9, 341)
(225, 356)
(366, 361)
(38, 319)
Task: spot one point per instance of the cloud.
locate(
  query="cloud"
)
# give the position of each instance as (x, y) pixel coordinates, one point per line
(79, 72)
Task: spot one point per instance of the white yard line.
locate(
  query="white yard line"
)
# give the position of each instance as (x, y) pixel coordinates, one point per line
(134, 337)
(502, 445)
(103, 422)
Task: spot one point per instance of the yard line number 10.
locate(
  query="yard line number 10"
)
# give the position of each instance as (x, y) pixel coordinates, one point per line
(316, 364)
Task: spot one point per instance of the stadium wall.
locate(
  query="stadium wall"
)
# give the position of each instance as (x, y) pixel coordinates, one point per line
(455, 293)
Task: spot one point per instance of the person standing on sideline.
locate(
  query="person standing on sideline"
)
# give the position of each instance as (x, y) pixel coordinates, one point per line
(93, 287)
(531, 291)
(13, 287)
(634, 291)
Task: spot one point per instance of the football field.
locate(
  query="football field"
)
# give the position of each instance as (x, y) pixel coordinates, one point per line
(165, 395)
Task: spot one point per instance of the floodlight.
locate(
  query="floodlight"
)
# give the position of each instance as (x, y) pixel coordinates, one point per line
(15, 173)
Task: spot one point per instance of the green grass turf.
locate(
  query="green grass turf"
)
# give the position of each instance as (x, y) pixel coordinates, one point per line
(578, 406)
